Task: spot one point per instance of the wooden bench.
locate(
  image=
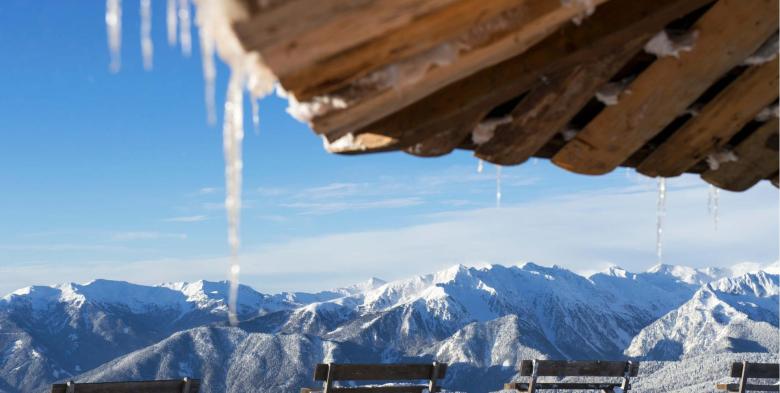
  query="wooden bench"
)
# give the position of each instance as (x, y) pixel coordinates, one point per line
(184, 385)
(557, 368)
(745, 371)
(379, 373)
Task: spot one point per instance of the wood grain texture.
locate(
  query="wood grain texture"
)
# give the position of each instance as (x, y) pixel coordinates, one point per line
(716, 123)
(728, 33)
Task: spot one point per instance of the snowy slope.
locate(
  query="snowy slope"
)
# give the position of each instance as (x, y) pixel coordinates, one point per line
(737, 314)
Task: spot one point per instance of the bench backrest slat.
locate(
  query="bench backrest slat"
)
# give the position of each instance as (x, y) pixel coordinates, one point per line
(563, 368)
(377, 372)
(756, 370)
(170, 386)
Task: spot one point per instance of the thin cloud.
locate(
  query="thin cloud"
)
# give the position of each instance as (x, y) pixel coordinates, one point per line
(133, 236)
(197, 218)
(336, 207)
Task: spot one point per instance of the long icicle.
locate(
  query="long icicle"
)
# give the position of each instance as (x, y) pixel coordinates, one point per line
(660, 214)
(171, 17)
(498, 186)
(480, 166)
(114, 30)
(713, 202)
(207, 47)
(255, 114)
(147, 48)
(185, 36)
(232, 137)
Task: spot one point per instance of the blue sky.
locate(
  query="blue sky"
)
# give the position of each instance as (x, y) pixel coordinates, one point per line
(119, 176)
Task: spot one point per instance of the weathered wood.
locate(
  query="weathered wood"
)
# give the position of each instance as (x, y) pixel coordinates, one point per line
(562, 368)
(547, 109)
(603, 33)
(299, 32)
(733, 387)
(524, 386)
(757, 370)
(542, 19)
(169, 386)
(757, 159)
(375, 389)
(443, 24)
(728, 33)
(717, 122)
(378, 372)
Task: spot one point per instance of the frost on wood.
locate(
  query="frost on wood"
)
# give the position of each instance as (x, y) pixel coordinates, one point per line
(147, 48)
(588, 8)
(671, 43)
(767, 52)
(569, 134)
(485, 130)
(610, 93)
(660, 215)
(767, 113)
(720, 157)
(306, 111)
(114, 30)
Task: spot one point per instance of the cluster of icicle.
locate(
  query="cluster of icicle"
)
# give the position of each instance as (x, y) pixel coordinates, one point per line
(214, 20)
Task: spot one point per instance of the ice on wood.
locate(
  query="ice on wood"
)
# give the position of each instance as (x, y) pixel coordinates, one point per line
(147, 47)
(588, 8)
(767, 113)
(720, 157)
(485, 130)
(767, 52)
(610, 93)
(114, 30)
(306, 111)
(569, 134)
(671, 43)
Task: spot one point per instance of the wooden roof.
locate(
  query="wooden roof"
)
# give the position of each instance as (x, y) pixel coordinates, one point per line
(514, 79)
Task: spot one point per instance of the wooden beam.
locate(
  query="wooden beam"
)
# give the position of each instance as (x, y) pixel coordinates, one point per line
(614, 26)
(717, 122)
(757, 159)
(328, 73)
(542, 18)
(547, 109)
(728, 33)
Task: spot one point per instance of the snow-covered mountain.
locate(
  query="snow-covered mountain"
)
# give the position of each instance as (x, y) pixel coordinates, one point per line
(483, 321)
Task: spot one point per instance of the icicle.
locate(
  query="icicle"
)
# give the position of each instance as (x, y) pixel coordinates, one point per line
(660, 214)
(713, 202)
(114, 29)
(184, 27)
(170, 19)
(207, 47)
(232, 137)
(498, 186)
(255, 115)
(147, 48)
(480, 166)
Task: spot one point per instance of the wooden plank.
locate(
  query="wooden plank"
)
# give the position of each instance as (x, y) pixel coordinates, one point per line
(382, 389)
(168, 386)
(321, 372)
(603, 33)
(733, 387)
(371, 372)
(547, 109)
(542, 19)
(523, 386)
(728, 33)
(757, 370)
(562, 368)
(757, 159)
(331, 72)
(717, 122)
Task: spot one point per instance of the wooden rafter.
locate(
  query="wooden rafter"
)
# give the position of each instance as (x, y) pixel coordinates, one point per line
(717, 122)
(757, 159)
(728, 33)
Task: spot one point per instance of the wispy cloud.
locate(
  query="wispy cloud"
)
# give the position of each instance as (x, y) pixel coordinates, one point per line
(208, 190)
(146, 235)
(335, 207)
(196, 218)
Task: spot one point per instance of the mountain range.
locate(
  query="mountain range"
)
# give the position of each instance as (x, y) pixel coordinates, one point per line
(481, 320)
